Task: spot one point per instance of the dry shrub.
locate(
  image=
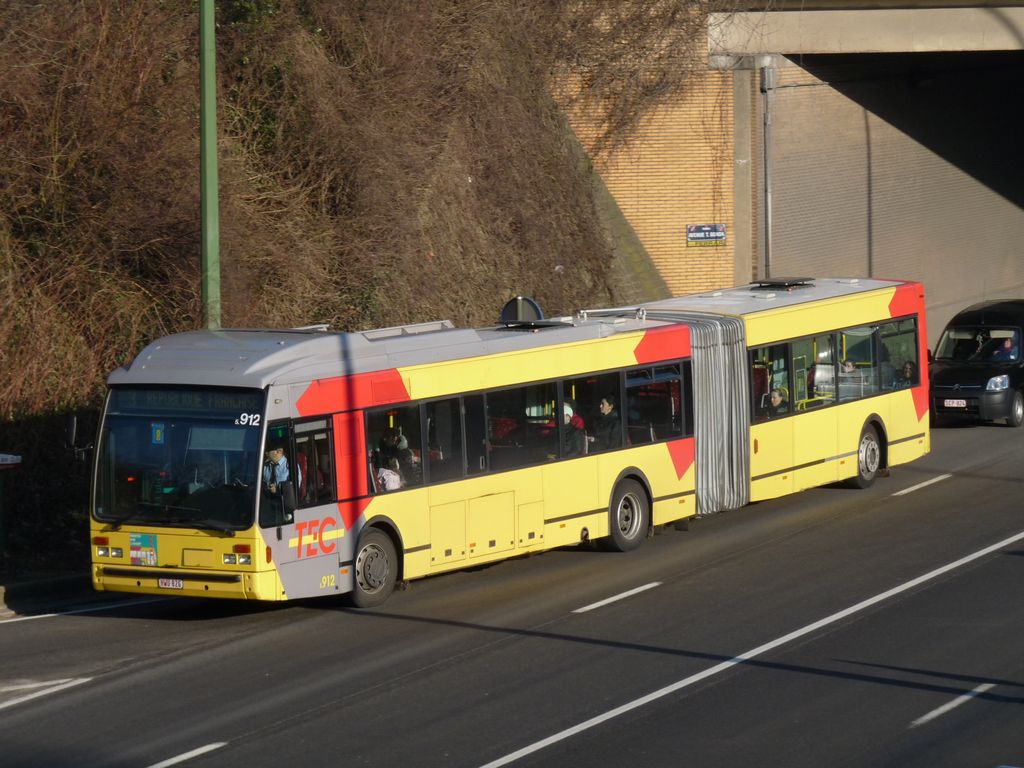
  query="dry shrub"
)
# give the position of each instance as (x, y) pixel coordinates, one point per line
(381, 162)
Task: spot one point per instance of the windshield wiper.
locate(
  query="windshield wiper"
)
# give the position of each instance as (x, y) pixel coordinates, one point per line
(170, 519)
(121, 519)
(212, 526)
(145, 507)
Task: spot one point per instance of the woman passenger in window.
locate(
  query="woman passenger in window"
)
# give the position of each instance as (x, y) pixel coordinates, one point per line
(778, 405)
(906, 376)
(608, 430)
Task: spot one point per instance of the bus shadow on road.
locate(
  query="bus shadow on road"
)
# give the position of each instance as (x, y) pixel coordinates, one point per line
(950, 683)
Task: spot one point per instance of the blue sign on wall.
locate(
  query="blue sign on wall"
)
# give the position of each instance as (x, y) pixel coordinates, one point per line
(705, 234)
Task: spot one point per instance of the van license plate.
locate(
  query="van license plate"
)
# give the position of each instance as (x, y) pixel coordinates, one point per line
(955, 403)
(170, 583)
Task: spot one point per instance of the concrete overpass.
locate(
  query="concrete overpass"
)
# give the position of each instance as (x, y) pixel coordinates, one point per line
(879, 140)
(814, 28)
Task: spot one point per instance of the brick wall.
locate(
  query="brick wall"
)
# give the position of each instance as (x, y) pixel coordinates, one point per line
(677, 170)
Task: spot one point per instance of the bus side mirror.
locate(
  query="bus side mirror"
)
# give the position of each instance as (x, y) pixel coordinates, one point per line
(71, 438)
(71, 431)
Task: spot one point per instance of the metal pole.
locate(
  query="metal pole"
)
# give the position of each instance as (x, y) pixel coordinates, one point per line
(208, 165)
(767, 88)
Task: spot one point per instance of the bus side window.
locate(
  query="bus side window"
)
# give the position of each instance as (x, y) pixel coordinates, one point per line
(476, 434)
(393, 433)
(595, 401)
(315, 462)
(444, 440)
(770, 382)
(815, 366)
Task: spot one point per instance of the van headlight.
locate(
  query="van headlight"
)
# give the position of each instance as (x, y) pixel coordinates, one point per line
(998, 383)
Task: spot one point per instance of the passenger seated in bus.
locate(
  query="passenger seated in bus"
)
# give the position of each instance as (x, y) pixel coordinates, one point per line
(905, 378)
(778, 404)
(573, 436)
(389, 477)
(393, 445)
(608, 430)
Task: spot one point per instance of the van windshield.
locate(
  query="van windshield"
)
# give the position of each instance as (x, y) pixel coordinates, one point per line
(979, 344)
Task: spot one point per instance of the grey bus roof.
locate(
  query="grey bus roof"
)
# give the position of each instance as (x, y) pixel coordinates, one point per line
(258, 358)
(750, 299)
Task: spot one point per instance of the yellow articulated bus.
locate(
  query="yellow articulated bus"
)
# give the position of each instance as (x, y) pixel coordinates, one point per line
(273, 465)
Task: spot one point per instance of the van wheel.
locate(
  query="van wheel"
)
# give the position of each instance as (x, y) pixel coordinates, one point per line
(1016, 417)
(629, 516)
(869, 458)
(376, 569)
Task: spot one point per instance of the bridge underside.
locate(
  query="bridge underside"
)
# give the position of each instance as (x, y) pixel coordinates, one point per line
(901, 30)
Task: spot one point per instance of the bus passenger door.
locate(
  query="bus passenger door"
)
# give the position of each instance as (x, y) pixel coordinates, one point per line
(305, 532)
(773, 402)
(771, 459)
(814, 436)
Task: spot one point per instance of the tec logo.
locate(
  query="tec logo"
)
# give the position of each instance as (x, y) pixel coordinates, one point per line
(316, 537)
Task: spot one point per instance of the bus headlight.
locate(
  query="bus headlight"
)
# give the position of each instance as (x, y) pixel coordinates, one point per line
(998, 383)
(102, 551)
(245, 559)
(230, 559)
(116, 552)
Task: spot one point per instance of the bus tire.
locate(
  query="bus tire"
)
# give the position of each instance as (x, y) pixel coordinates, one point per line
(629, 517)
(1016, 415)
(376, 569)
(869, 457)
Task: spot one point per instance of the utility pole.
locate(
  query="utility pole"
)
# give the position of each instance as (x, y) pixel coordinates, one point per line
(208, 193)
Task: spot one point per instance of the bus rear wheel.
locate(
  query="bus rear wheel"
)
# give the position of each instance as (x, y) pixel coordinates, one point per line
(376, 569)
(869, 458)
(630, 516)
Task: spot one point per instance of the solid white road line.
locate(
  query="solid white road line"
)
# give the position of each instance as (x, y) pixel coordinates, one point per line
(952, 705)
(614, 598)
(53, 687)
(751, 654)
(189, 755)
(94, 609)
(919, 486)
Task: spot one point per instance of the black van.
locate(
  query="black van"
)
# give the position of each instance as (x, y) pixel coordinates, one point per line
(977, 371)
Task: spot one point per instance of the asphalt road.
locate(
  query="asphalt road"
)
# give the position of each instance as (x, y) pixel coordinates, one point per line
(835, 627)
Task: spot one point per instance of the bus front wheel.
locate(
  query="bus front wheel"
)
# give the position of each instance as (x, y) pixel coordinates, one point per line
(630, 516)
(376, 569)
(869, 457)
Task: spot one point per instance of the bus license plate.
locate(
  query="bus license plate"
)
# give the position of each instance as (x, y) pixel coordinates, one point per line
(170, 583)
(956, 403)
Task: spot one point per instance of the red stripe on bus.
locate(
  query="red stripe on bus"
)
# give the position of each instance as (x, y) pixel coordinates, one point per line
(681, 452)
(920, 393)
(667, 343)
(351, 511)
(360, 390)
(907, 300)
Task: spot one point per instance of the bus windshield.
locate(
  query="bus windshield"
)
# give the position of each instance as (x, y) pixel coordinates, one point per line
(186, 458)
